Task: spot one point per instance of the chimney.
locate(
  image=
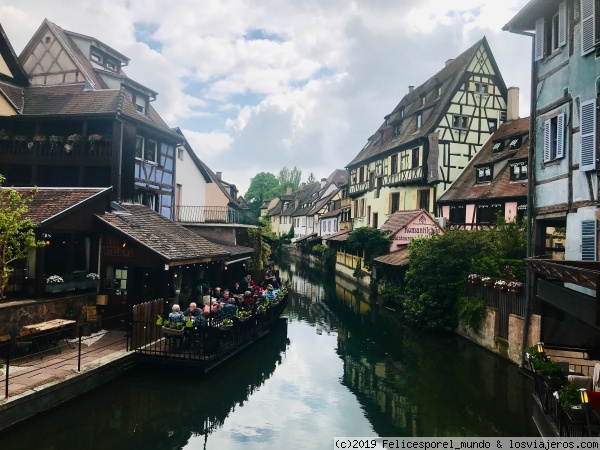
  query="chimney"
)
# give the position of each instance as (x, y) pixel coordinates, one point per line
(303, 184)
(448, 62)
(219, 175)
(288, 190)
(410, 89)
(512, 104)
(323, 182)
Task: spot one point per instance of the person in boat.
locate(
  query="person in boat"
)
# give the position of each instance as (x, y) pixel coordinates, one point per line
(217, 294)
(248, 300)
(175, 315)
(269, 293)
(226, 298)
(270, 276)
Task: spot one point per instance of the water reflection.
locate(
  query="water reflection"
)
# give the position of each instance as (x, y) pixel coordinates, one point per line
(339, 366)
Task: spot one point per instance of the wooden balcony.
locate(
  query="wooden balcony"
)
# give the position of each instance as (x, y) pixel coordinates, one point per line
(359, 188)
(404, 176)
(213, 215)
(24, 148)
(582, 273)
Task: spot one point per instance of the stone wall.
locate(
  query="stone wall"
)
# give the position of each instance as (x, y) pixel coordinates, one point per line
(509, 348)
(25, 312)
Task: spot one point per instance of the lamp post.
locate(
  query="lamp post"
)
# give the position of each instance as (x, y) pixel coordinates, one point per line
(585, 405)
(541, 350)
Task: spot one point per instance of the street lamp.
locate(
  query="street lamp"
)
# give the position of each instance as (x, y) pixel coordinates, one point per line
(585, 405)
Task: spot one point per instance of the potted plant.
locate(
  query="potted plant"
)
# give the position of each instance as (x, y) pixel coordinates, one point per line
(486, 281)
(514, 286)
(54, 283)
(474, 278)
(500, 285)
(569, 396)
(226, 324)
(244, 316)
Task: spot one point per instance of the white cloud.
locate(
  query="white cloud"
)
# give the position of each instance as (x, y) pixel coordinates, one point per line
(262, 84)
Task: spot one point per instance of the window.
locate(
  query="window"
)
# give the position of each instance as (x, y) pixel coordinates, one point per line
(140, 104)
(588, 26)
(111, 65)
(180, 154)
(498, 146)
(460, 122)
(361, 174)
(515, 143)
(96, 58)
(423, 100)
(488, 213)
(415, 157)
(419, 120)
(423, 199)
(457, 215)
(492, 125)
(394, 164)
(394, 202)
(481, 88)
(484, 175)
(396, 129)
(439, 91)
(502, 116)
(554, 138)
(402, 113)
(551, 31)
(587, 155)
(518, 171)
(368, 215)
(148, 199)
(145, 149)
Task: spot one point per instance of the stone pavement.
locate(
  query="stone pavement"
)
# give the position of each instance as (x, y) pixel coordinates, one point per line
(32, 373)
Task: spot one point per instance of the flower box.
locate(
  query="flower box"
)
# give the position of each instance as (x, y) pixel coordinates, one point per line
(225, 327)
(173, 331)
(487, 283)
(53, 288)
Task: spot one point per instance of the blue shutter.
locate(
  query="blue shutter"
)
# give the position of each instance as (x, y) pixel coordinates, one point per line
(562, 24)
(560, 136)
(588, 26)
(588, 240)
(547, 140)
(539, 39)
(587, 130)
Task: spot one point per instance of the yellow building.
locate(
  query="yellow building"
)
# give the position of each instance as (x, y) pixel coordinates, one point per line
(428, 139)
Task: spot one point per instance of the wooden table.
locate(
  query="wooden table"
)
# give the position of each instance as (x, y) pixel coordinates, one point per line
(56, 329)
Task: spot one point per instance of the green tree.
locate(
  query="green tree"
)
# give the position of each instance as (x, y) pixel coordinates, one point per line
(260, 185)
(16, 232)
(369, 242)
(311, 178)
(289, 177)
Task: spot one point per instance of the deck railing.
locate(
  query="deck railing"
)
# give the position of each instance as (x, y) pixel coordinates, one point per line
(214, 214)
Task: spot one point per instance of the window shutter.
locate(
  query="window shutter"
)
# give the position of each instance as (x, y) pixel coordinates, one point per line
(547, 140)
(562, 24)
(539, 39)
(471, 86)
(560, 136)
(588, 26)
(588, 240)
(388, 208)
(587, 127)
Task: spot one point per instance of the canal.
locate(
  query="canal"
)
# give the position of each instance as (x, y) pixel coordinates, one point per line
(338, 366)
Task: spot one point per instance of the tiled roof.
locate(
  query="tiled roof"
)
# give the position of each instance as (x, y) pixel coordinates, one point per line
(69, 100)
(233, 250)
(400, 219)
(13, 93)
(340, 236)
(397, 258)
(448, 78)
(51, 202)
(171, 241)
(465, 187)
(333, 213)
(304, 238)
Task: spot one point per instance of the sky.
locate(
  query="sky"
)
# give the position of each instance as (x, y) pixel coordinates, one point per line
(257, 85)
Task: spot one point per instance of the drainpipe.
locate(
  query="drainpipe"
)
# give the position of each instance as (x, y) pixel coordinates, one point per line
(530, 186)
(119, 182)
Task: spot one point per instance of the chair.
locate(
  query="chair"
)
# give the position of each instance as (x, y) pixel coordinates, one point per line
(17, 342)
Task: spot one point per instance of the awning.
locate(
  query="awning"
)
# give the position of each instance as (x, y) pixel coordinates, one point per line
(340, 236)
(236, 260)
(303, 238)
(397, 258)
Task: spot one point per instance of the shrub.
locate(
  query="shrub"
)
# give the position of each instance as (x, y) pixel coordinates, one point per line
(471, 311)
(569, 396)
(390, 292)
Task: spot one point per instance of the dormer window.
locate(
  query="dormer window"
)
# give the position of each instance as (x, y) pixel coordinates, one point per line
(460, 122)
(111, 65)
(96, 57)
(140, 104)
(518, 170)
(419, 120)
(423, 100)
(402, 113)
(396, 130)
(498, 146)
(515, 143)
(484, 175)
(439, 91)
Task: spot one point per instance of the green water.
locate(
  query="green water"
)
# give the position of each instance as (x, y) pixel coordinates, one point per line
(337, 366)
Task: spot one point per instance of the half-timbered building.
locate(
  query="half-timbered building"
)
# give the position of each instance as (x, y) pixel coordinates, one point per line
(427, 140)
(78, 120)
(563, 184)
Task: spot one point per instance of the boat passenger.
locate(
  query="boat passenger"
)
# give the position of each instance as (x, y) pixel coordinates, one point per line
(269, 293)
(192, 311)
(237, 289)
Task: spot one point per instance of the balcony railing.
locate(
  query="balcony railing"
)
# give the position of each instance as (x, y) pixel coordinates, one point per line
(404, 176)
(23, 146)
(582, 273)
(359, 187)
(214, 214)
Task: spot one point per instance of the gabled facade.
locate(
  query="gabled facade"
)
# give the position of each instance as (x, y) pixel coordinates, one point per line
(428, 139)
(563, 185)
(495, 181)
(83, 122)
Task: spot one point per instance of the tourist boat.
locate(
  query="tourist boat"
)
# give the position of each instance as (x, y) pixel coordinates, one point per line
(205, 345)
